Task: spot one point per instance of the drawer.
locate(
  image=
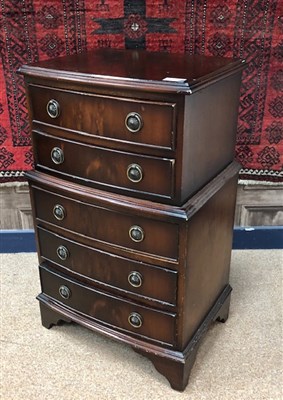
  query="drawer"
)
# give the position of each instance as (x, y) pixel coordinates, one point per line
(141, 234)
(140, 122)
(112, 311)
(97, 266)
(105, 168)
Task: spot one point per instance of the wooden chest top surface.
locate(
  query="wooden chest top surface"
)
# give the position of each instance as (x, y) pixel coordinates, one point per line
(162, 71)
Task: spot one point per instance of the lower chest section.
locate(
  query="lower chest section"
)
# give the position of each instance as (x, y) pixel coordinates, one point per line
(114, 264)
(142, 269)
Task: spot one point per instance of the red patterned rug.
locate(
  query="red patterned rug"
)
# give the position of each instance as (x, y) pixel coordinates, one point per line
(251, 29)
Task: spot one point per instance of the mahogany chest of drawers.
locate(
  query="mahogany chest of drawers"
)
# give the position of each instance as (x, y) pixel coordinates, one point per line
(133, 196)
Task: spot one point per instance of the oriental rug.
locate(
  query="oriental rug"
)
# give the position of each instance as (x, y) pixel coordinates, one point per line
(34, 30)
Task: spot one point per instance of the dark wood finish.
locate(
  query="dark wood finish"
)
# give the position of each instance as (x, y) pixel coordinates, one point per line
(85, 219)
(89, 265)
(104, 116)
(106, 168)
(142, 69)
(175, 365)
(209, 252)
(179, 120)
(202, 271)
(178, 371)
(146, 263)
(211, 116)
(132, 205)
(223, 313)
(156, 326)
(50, 317)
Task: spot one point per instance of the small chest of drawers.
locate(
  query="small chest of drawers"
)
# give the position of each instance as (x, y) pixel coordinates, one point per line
(133, 196)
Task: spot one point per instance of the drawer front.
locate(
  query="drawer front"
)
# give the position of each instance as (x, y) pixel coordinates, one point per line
(105, 168)
(98, 266)
(139, 122)
(110, 310)
(141, 234)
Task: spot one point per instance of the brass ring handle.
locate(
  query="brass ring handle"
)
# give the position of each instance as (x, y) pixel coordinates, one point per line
(134, 122)
(59, 212)
(135, 279)
(57, 155)
(65, 292)
(136, 233)
(53, 108)
(135, 320)
(134, 173)
(63, 253)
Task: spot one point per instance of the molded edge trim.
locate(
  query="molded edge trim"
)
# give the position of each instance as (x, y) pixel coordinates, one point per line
(258, 237)
(129, 204)
(186, 88)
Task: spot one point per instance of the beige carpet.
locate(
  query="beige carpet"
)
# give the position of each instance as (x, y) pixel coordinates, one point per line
(241, 359)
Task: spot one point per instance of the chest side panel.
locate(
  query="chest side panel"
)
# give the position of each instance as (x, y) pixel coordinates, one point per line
(210, 128)
(209, 244)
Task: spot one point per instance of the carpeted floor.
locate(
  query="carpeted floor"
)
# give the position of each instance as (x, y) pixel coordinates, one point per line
(241, 359)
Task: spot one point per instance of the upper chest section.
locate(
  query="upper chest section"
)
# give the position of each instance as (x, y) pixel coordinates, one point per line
(134, 121)
(119, 98)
